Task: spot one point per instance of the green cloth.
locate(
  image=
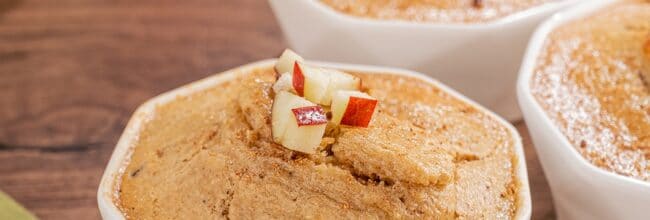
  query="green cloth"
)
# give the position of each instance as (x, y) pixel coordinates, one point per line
(9, 209)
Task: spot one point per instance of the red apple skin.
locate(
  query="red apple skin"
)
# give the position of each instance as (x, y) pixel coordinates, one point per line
(310, 115)
(359, 112)
(298, 79)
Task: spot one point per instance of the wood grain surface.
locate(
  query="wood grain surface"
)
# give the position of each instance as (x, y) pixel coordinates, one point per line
(73, 71)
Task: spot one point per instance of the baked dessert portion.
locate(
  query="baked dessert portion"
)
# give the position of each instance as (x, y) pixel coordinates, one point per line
(433, 11)
(215, 154)
(592, 80)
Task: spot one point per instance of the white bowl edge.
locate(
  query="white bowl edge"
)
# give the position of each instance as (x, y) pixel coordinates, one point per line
(119, 159)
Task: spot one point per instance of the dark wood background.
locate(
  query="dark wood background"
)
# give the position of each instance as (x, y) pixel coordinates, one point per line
(73, 71)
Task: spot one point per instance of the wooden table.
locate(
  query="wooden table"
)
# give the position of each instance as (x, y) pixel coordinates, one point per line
(73, 71)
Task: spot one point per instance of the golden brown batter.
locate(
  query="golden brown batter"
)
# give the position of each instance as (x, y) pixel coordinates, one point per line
(434, 11)
(590, 79)
(425, 155)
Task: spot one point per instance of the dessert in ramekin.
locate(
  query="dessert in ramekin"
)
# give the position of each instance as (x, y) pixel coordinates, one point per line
(586, 100)
(225, 147)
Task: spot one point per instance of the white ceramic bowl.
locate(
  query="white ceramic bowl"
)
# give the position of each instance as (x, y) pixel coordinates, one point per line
(121, 154)
(479, 60)
(580, 189)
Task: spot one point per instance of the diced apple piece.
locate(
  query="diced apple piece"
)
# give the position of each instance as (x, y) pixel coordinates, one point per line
(305, 139)
(314, 82)
(280, 113)
(340, 81)
(296, 123)
(304, 134)
(284, 83)
(353, 108)
(359, 111)
(286, 61)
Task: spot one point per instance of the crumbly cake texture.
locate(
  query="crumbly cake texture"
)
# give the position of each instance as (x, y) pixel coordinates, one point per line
(590, 80)
(433, 11)
(426, 154)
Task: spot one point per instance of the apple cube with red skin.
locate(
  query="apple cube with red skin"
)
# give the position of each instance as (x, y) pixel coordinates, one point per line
(319, 85)
(286, 61)
(297, 123)
(310, 82)
(353, 108)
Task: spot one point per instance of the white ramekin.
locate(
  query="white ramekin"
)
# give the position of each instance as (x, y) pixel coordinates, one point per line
(121, 154)
(479, 60)
(580, 189)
